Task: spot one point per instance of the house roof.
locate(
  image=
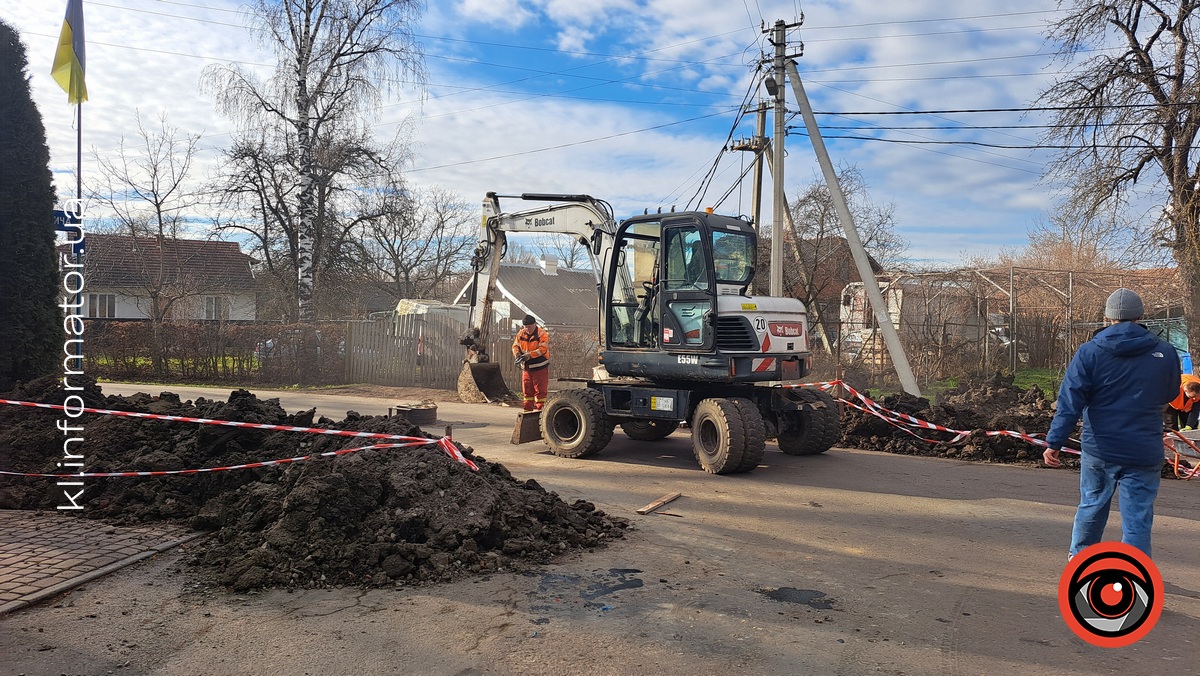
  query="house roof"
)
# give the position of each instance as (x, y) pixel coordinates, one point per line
(122, 261)
(566, 298)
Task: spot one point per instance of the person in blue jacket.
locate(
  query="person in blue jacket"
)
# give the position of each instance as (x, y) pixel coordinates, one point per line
(1118, 382)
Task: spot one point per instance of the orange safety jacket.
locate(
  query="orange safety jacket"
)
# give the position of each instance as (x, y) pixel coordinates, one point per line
(1182, 402)
(536, 343)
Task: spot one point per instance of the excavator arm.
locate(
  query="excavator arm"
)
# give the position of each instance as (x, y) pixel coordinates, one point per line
(589, 219)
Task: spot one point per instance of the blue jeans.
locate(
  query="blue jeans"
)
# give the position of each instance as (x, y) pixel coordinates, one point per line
(1098, 480)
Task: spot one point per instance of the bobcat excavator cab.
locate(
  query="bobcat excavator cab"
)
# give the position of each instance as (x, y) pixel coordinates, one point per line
(682, 340)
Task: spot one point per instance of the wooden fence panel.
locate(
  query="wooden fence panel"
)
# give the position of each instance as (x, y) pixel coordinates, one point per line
(407, 351)
(423, 351)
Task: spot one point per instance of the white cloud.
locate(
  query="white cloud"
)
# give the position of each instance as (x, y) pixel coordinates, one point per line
(504, 13)
(569, 122)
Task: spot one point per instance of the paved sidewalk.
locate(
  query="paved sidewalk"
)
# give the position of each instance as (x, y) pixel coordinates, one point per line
(43, 554)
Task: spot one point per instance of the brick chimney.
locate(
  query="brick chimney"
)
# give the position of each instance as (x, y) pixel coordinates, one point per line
(549, 264)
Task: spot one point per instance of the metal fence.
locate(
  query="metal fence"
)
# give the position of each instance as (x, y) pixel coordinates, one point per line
(979, 321)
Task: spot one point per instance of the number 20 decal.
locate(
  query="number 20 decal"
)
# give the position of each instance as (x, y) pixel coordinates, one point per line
(760, 324)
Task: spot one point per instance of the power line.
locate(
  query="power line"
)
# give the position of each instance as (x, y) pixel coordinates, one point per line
(951, 18)
(641, 55)
(922, 35)
(566, 145)
(965, 127)
(967, 143)
(1030, 109)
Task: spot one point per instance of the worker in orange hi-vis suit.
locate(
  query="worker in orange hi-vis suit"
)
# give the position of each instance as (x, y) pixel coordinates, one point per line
(1182, 412)
(531, 349)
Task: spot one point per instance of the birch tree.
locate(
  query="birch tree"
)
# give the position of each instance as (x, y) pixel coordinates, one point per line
(334, 59)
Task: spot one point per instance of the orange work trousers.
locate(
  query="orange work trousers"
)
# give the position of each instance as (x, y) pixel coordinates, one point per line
(535, 384)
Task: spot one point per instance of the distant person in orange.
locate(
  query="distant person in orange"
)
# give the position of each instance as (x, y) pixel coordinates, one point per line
(1182, 413)
(531, 349)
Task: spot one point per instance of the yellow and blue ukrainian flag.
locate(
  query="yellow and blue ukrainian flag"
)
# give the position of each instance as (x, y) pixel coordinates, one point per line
(69, 59)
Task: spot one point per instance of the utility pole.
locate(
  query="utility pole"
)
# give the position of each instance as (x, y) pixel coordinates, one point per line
(783, 68)
(760, 142)
(779, 39)
(759, 146)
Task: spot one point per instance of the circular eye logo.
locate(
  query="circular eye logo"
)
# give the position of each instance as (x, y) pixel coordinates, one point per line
(1111, 594)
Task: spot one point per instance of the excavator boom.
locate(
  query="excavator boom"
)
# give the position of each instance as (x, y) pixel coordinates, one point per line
(582, 216)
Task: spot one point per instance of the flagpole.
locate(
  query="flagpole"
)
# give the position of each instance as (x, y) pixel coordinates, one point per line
(79, 156)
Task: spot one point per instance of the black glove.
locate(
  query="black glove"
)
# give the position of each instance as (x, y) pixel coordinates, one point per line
(522, 358)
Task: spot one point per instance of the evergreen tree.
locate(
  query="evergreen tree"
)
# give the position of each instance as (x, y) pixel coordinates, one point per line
(31, 331)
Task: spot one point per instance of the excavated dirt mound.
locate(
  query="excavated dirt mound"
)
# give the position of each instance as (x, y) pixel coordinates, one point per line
(369, 518)
(992, 405)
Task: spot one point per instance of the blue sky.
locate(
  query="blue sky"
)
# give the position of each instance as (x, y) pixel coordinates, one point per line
(632, 101)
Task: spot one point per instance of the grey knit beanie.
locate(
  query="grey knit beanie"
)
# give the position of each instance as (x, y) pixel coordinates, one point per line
(1123, 305)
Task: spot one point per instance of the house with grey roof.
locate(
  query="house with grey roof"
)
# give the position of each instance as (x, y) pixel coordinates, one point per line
(559, 298)
(126, 277)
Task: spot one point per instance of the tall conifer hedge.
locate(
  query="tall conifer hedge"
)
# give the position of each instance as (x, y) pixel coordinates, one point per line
(31, 331)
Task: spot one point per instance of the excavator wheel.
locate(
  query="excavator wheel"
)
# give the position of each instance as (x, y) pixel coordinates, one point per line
(718, 436)
(574, 423)
(811, 430)
(756, 434)
(649, 429)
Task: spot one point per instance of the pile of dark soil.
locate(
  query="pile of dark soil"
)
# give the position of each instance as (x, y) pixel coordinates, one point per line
(370, 518)
(991, 405)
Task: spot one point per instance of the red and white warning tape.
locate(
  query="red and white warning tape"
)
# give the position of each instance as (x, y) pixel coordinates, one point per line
(1190, 450)
(901, 421)
(444, 443)
(904, 421)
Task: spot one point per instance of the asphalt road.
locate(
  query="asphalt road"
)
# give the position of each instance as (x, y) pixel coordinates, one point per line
(851, 562)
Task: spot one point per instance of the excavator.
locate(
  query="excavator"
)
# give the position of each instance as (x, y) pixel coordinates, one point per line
(681, 338)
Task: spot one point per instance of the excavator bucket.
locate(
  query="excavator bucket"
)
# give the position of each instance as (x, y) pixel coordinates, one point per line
(528, 427)
(482, 383)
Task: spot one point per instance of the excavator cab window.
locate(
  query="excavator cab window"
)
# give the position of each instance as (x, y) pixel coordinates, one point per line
(733, 255)
(687, 289)
(687, 266)
(633, 308)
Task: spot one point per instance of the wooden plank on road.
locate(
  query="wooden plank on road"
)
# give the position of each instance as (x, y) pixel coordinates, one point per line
(658, 503)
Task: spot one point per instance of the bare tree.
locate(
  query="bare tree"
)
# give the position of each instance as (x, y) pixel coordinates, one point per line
(147, 187)
(419, 241)
(146, 184)
(1128, 114)
(819, 260)
(571, 253)
(260, 183)
(521, 254)
(333, 59)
